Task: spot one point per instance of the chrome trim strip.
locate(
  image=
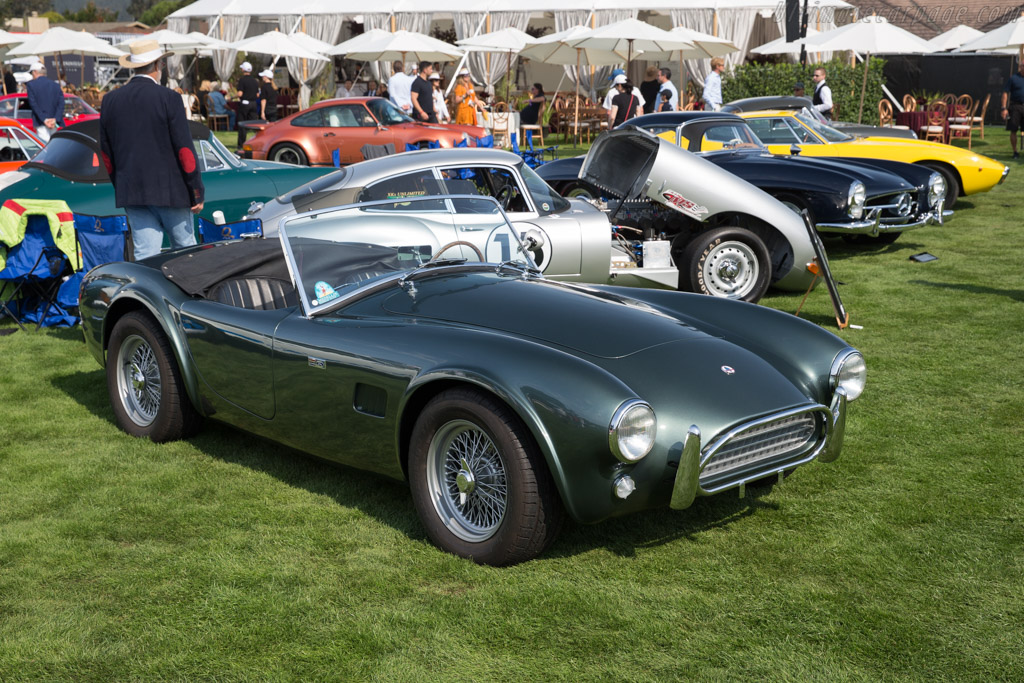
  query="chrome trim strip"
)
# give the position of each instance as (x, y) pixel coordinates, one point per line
(834, 439)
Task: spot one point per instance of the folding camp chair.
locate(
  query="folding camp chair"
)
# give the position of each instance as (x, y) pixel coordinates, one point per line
(540, 151)
(212, 232)
(100, 239)
(532, 159)
(32, 272)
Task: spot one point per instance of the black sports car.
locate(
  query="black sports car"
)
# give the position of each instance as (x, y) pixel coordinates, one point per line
(873, 197)
(794, 102)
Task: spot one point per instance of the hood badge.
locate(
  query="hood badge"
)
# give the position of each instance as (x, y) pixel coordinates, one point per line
(728, 370)
(683, 205)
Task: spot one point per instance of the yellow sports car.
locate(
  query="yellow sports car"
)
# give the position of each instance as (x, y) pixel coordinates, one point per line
(965, 172)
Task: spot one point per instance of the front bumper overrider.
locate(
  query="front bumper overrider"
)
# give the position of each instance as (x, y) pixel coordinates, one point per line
(693, 459)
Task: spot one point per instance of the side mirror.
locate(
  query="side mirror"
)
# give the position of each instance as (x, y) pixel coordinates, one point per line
(794, 149)
(532, 239)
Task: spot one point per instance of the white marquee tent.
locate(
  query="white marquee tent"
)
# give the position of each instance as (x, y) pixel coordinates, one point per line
(740, 21)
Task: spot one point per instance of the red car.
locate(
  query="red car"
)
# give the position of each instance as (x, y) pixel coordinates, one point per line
(16, 107)
(18, 144)
(311, 136)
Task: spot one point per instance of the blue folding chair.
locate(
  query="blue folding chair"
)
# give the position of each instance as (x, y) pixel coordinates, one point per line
(540, 151)
(212, 232)
(486, 141)
(100, 239)
(532, 159)
(33, 270)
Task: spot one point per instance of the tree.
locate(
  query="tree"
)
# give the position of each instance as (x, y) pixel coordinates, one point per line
(90, 13)
(158, 12)
(17, 9)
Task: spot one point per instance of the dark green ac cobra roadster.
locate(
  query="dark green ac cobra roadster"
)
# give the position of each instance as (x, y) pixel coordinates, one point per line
(394, 344)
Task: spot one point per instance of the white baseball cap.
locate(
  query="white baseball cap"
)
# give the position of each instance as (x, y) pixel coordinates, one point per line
(434, 77)
(621, 78)
(267, 73)
(37, 66)
(245, 66)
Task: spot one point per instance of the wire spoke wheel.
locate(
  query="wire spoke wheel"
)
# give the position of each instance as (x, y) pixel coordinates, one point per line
(467, 480)
(138, 380)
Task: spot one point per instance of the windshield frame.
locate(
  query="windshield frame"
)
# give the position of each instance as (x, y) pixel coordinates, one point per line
(398, 277)
(824, 131)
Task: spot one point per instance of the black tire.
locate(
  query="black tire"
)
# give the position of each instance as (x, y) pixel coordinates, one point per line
(796, 205)
(289, 153)
(728, 262)
(579, 191)
(144, 383)
(511, 510)
(952, 183)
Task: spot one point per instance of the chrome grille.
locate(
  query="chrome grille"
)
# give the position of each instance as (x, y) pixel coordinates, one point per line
(761, 444)
(894, 209)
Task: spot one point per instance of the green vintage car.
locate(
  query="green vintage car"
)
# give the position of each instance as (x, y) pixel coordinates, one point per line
(69, 168)
(505, 399)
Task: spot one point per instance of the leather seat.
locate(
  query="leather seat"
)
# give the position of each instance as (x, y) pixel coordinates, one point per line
(255, 293)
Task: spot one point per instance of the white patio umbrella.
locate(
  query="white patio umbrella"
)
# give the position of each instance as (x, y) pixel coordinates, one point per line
(779, 46)
(705, 46)
(872, 34)
(277, 44)
(507, 41)
(631, 36)
(358, 42)
(170, 41)
(59, 41)
(1009, 35)
(9, 38)
(405, 45)
(955, 37)
(310, 43)
(560, 48)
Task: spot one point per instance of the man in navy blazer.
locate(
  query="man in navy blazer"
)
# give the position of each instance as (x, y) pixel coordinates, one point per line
(147, 149)
(46, 101)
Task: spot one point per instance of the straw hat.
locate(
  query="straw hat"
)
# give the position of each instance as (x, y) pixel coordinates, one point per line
(140, 53)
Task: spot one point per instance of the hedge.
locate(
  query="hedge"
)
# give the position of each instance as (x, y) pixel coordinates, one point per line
(759, 80)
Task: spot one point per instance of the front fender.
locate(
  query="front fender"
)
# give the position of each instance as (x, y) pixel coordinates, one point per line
(107, 294)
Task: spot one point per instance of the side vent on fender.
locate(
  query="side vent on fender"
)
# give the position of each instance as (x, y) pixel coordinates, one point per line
(370, 400)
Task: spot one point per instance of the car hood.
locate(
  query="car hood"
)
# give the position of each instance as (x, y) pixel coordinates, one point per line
(572, 316)
(823, 174)
(653, 352)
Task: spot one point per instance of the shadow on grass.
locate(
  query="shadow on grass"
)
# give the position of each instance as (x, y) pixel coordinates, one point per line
(389, 501)
(1014, 294)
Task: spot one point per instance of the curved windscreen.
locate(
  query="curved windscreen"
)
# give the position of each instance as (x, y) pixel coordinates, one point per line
(335, 254)
(72, 156)
(386, 113)
(824, 130)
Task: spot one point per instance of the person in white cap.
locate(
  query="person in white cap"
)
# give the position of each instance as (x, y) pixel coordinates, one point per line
(440, 106)
(147, 150)
(46, 101)
(620, 79)
(248, 100)
(268, 96)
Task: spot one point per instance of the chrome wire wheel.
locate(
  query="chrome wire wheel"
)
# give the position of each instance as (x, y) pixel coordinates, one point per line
(138, 380)
(466, 480)
(731, 269)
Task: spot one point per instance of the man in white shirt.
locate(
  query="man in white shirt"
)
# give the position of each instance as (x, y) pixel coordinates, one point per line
(400, 88)
(346, 90)
(713, 85)
(619, 76)
(822, 94)
(665, 78)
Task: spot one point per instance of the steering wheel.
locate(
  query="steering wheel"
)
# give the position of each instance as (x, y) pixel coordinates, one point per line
(504, 196)
(457, 243)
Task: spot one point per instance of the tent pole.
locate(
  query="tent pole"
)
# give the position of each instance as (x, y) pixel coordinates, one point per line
(576, 119)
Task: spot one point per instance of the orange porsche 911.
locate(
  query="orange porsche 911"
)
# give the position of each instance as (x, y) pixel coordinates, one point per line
(17, 144)
(311, 136)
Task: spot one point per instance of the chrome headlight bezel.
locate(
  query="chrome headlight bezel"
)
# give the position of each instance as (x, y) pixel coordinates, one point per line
(936, 190)
(856, 198)
(849, 371)
(632, 431)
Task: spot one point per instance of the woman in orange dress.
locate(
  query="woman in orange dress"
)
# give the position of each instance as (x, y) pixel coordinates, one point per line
(466, 102)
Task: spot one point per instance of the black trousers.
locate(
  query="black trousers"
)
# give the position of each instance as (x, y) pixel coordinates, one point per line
(246, 112)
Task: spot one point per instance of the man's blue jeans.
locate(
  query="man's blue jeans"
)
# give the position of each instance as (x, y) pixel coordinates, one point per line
(149, 224)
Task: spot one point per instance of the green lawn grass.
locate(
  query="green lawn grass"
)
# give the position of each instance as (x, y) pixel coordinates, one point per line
(227, 557)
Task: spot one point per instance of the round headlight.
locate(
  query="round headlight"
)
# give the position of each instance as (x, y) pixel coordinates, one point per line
(850, 372)
(936, 190)
(856, 199)
(632, 431)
